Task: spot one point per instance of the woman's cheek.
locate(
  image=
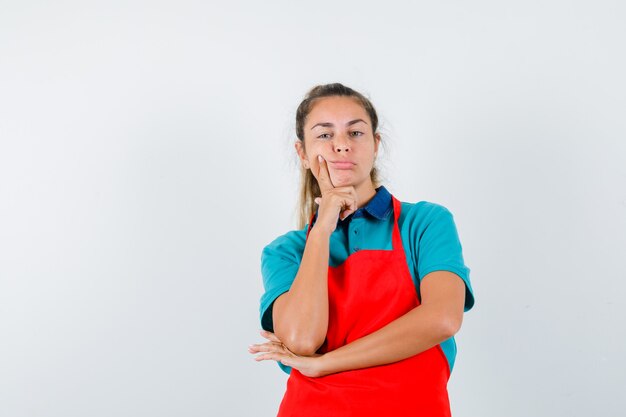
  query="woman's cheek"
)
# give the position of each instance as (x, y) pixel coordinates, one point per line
(315, 166)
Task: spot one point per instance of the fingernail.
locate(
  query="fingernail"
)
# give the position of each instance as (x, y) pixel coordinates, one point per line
(319, 158)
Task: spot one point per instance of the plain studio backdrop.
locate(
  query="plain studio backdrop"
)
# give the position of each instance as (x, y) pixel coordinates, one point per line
(146, 158)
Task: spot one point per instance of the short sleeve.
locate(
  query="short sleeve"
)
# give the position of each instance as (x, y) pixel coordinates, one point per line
(280, 261)
(440, 249)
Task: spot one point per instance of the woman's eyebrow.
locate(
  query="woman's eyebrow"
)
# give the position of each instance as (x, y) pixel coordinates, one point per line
(328, 124)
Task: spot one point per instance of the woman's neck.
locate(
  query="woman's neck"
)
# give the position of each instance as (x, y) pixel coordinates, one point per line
(365, 193)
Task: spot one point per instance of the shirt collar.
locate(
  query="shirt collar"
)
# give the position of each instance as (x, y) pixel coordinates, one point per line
(378, 207)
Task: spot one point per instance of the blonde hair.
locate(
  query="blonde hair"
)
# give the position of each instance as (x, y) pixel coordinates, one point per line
(309, 188)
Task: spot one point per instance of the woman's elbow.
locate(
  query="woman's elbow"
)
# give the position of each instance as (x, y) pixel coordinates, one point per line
(451, 325)
(301, 347)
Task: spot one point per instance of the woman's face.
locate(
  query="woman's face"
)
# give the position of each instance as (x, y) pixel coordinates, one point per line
(339, 129)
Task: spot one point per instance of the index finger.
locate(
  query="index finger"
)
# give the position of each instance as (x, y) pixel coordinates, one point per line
(269, 335)
(323, 176)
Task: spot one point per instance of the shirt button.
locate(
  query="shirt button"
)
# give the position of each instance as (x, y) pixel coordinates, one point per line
(356, 231)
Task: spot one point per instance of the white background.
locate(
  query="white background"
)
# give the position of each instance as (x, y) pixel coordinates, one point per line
(146, 157)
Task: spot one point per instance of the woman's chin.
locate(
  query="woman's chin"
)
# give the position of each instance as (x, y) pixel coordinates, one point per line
(342, 180)
(345, 178)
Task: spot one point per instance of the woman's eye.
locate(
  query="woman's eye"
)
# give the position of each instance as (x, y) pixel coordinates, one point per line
(353, 133)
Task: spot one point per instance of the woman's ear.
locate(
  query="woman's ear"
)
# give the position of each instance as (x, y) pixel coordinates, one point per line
(376, 143)
(301, 154)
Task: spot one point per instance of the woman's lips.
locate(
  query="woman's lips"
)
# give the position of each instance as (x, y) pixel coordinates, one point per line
(341, 165)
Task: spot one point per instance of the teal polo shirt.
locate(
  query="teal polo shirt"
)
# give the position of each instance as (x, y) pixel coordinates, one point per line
(429, 237)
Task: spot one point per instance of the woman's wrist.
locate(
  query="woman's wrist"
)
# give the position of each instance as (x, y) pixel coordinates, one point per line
(318, 232)
(328, 364)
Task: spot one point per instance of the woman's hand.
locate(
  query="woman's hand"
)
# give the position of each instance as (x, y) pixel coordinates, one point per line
(335, 202)
(311, 366)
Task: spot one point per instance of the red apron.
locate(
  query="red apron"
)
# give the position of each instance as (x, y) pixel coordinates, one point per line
(366, 292)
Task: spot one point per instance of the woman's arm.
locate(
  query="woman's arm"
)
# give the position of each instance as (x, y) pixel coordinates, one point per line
(301, 314)
(438, 318)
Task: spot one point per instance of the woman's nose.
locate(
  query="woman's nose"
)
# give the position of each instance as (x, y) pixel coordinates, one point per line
(342, 145)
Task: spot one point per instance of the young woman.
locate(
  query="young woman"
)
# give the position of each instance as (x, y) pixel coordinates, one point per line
(361, 303)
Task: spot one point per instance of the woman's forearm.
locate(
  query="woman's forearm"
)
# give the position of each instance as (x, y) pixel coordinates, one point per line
(410, 334)
(301, 314)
